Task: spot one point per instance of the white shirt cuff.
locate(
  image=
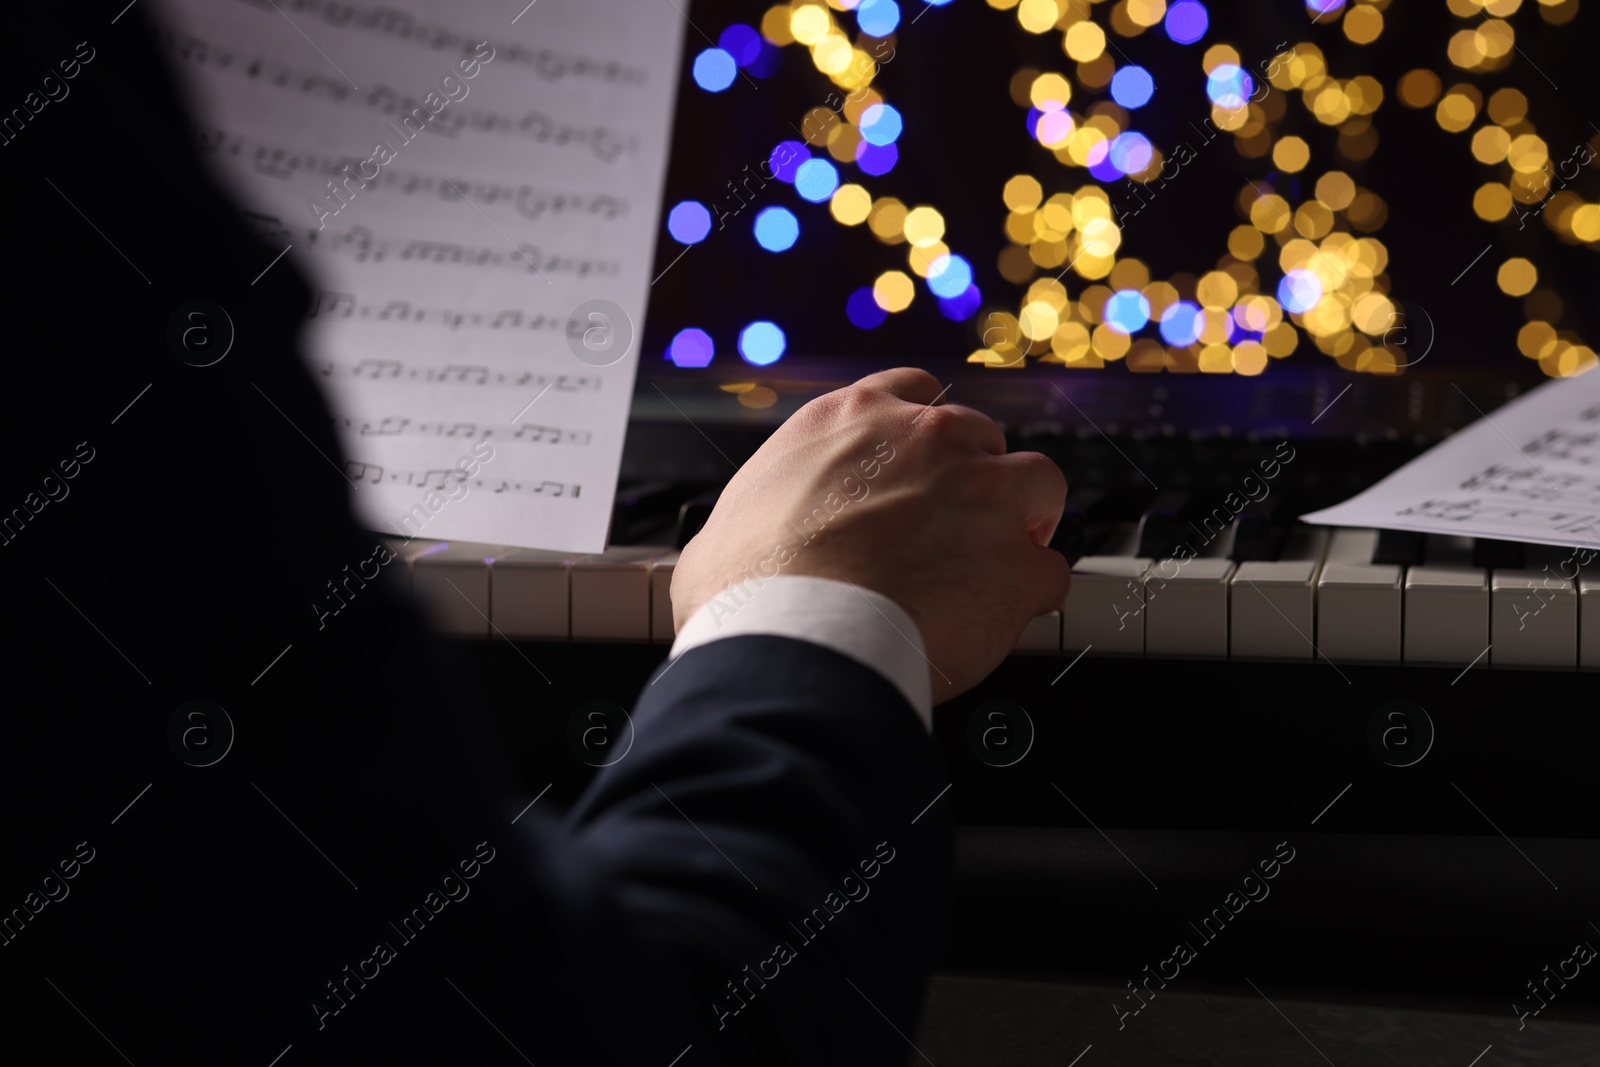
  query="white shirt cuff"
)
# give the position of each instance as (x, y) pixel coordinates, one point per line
(866, 626)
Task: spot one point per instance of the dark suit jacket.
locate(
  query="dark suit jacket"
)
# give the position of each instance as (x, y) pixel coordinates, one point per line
(356, 880)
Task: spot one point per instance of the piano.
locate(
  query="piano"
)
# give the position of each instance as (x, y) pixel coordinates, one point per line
(1413, 713)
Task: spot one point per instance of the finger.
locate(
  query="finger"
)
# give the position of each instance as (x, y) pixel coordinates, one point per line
(980, 428)
(1040, 492)
(908, 383)
(1050, 576)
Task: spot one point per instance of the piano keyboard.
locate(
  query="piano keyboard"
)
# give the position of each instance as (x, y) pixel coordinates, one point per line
(1335, 595)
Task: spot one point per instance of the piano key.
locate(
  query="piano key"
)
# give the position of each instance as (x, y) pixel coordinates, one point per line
(1043, 634)
(1446, 605)
(1405, 548)
(1105, 605)
(451, 578)
(1533, 619)
(530, 594)
(644, 509)
(1186, 607)
(662, 630)
(1589, 618)
(692, 517)
(1084, 521)
(611, 594)
(1273, 604)
(1160, 527)
(1359, 603)
(1494, 555)
(1258, 531)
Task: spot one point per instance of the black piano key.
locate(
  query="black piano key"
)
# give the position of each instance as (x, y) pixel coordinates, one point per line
(1161, 526)
(1403, 547)
(643, 511)
(1085, 520)
(1489, 553)
(692, 516)
(1259, 531)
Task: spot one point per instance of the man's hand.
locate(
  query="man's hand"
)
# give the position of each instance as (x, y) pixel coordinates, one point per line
(871, 484)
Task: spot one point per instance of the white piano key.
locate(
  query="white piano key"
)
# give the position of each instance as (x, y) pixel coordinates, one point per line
(1273, 605)
(1359, 603)
(1589, 618)
(451, 578)
(1446, 605)
(1105, 604)
(530, 594)
(611, 594)
(662, 629)
(1533, 620)
(1043, 634)
(1186, 607)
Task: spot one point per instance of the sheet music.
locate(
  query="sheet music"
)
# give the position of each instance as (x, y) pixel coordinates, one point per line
(465, 185)
(1529, 471)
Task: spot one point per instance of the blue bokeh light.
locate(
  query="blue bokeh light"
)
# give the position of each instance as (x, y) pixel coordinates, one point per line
(767, 61)
(863, 311)
(741, 42)
(691, 348)
(1126, 311)
(777, 229)
(1299, 291)
(878, 18)
(880, 124)
(1323, 7)
(1132, 87)
(949, 276)
(689, 222)
(1181, 324)
(1130, 152)
(1100, 164)
(762, 343)
(1187, 21)
(962, 307)
(786, 159)
(1229, 87)
(714, 70)
(876, 159)
(816, 180)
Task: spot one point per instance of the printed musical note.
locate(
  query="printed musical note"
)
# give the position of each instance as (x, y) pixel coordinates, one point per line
(359, 471)
(385, 427)
(333, 304)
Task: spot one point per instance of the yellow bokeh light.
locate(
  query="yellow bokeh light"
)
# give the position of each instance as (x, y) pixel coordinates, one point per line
(1490, 144)
(922, 258)
(1146, 13)
(1363, 24)
(888, 220)
(1038, 321)
(775, 25)
(1216, 290)
(1586, 223)
(1245, 242)
(1507, 106)
(1517, 277)
(1527, 154)
(1456, 111)
(1536, 339)
(1023, 193)
(1269, 213)
(1037, 16)
(1291, 154)
(1250, 357)
(1217, 55)
(810, 23)
(1101, 237)
(923, 226)
(850, 204)
(1492, 202)
(1419, 88)
(1336, 189)
(1050, 91)
(1083, 41)
(832, 54)
(893, 290)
